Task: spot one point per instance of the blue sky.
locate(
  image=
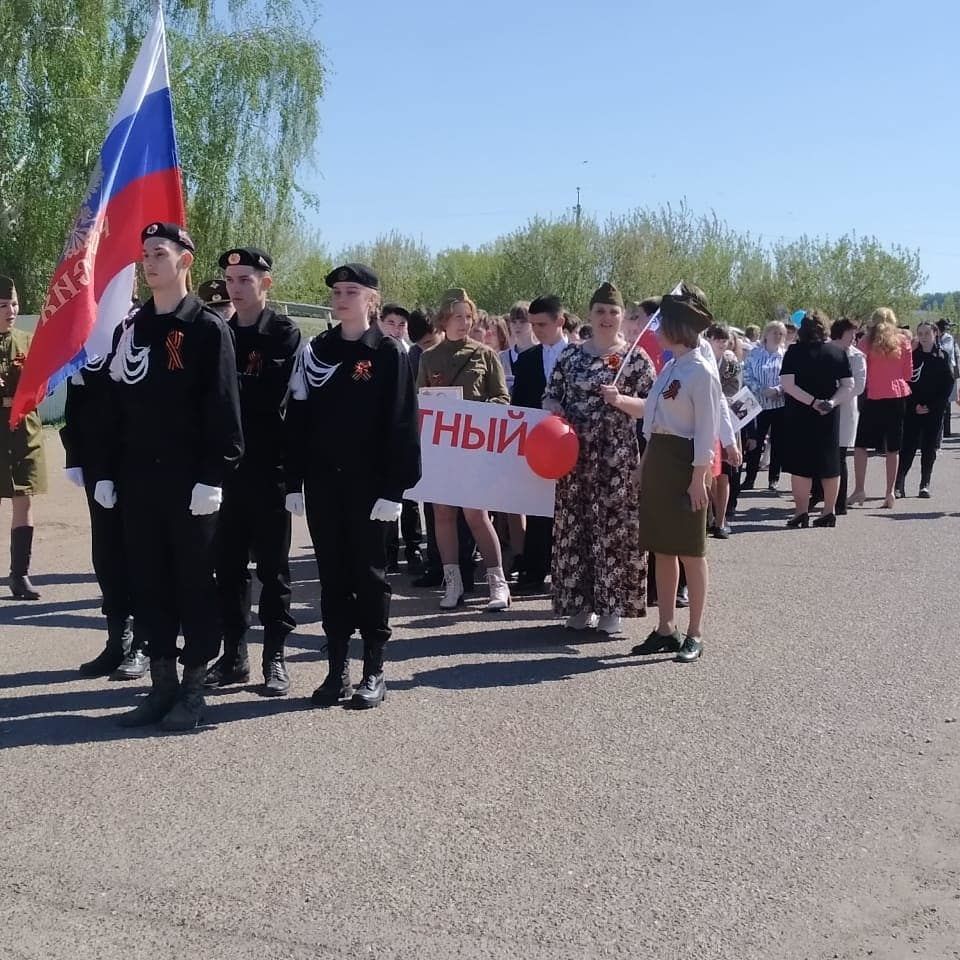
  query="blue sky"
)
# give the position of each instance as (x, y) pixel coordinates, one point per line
(455, 122)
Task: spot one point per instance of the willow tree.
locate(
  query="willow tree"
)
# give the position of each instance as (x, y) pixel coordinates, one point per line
(247, 78)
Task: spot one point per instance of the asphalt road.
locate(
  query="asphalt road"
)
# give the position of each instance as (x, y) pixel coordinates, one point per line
(524, 792)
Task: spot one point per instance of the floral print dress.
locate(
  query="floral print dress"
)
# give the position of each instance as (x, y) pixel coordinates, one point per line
(597, 560)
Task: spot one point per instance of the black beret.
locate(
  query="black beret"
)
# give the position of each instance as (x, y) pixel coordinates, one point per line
(246, 257)
(607, 293)
(214, 292)
(7, 288)
(354, 273)
(689, 305)
(168, 231)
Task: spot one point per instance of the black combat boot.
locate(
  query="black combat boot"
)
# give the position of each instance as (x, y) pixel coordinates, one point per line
(275, 678)
(371, 692)
(336, 687)
(135, 660)
(188, 709)
(109, 659)
(21, 546)
(232, 667)
(164, 687)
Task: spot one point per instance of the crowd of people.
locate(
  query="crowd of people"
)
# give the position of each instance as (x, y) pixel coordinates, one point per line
(212, 422)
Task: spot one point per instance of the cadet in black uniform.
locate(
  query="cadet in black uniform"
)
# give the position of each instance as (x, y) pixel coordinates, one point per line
(253, 515)
(123, 657)
(215, 295)
(171, 435)
(353, 442)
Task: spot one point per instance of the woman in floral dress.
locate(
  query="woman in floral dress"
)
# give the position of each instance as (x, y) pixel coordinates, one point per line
(599, 571)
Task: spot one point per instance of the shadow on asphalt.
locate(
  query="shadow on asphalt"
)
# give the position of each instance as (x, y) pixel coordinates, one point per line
(18, 613)
(36, 678)
(514, 673)
(497, 641)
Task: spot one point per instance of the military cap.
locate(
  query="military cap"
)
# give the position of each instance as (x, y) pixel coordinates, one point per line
(7, 288)
(607, 293)
(214, 292)
(689, 306)
(454, 295)
(168, 231)
(246, 257)
(354, 273)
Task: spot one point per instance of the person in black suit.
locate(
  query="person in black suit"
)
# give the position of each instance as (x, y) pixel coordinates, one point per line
(531, 370)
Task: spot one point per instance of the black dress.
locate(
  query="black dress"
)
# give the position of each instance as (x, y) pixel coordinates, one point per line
(811, 440)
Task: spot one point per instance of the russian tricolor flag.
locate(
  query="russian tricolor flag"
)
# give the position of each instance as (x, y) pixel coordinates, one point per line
(136, 180)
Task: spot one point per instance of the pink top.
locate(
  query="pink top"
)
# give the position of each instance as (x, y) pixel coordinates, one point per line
(889, 377)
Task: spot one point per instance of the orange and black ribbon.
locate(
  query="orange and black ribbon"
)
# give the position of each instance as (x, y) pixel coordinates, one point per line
(173, 345)
(254, 364)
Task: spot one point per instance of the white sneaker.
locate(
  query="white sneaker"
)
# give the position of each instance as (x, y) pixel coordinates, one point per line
(452, 587)
(610, 624)
(499, 590)
(584, 620)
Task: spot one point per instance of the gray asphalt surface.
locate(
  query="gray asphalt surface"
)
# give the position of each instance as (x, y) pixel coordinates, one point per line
(524, 792)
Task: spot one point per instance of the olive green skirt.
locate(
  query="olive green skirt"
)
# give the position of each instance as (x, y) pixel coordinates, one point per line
(667, 524)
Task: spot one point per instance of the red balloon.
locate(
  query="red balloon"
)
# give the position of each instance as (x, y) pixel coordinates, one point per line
(552, 448)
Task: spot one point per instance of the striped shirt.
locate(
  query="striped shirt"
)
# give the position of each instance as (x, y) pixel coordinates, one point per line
(761, 370)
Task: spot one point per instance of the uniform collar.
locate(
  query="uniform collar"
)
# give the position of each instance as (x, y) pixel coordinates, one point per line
(187, 310)
(262, 322)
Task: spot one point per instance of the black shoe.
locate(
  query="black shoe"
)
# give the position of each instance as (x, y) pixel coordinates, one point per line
(826, 520)
(924, 493)
(414, 559)
(370, 693)
(164, 687)
(276, 681)
(659, 643)
(690, 651)
(683, 598)
(800, 522)
(516, 569)
(232, 667)
(119, 641)
(133, 667)
(429, 579)
(336, 687)
(528, 588)
(722, 533)
(841, 511)
(900, 493)
(187, 712)
(21, 546)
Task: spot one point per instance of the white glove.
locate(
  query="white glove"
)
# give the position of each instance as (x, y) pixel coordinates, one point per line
(105, 494)
(75, 475)
(205, 499)
(294, 504)
(387, 511)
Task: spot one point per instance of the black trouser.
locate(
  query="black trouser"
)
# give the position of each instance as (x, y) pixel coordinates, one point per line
(537, 548)
(407, 529)
(946, 420)
(170, 554)
(465, 544)
(253, 518)
(816, 487)
(351, 556)
(768, 421)
(109, 557)
(920, 431)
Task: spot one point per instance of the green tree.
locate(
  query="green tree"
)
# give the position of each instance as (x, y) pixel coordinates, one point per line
(246, 91)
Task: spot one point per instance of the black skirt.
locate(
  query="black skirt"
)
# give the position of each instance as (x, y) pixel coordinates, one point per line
(881, 425)
(810, 442)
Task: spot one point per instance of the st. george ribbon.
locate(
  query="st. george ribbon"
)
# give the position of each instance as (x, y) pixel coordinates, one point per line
(136, 180)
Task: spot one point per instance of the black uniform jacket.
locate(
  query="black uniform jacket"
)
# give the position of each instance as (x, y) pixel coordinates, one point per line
(529, 383)
(359, 423)
(85, 403)
(183, 415)
(266, 351)
(932, 381)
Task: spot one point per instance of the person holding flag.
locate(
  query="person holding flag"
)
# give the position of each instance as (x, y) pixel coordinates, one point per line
(170, 435)
(23, 470)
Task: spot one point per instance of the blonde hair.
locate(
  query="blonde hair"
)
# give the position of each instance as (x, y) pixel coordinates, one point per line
(773, 325)
(449, 302)
(883, 336)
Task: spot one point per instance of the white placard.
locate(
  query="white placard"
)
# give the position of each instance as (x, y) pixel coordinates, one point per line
(455, 392)
(473, 457)
(744, 407)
